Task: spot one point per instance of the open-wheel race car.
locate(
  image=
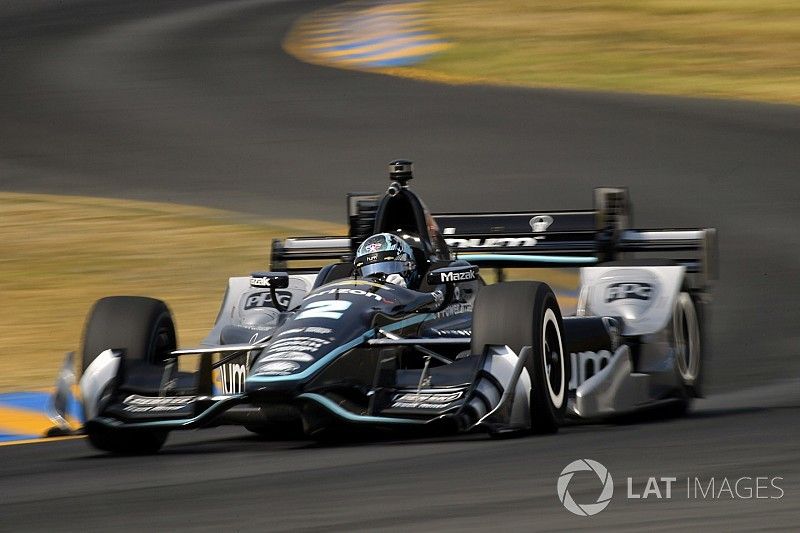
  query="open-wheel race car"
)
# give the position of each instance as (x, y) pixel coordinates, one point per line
(328, 350)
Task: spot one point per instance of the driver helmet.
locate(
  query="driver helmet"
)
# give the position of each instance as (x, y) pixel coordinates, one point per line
(384, 254)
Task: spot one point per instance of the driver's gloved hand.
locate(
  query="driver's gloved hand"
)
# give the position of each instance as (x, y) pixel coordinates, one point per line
(396, 279)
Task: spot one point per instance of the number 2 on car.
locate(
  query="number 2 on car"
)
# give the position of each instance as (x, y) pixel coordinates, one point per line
(333, 309)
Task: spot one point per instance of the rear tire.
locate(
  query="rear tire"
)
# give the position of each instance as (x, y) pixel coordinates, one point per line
(524, 313)
(144, 328)
(688, 345)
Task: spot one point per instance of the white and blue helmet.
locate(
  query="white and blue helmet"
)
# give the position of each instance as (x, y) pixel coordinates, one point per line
(384, 254)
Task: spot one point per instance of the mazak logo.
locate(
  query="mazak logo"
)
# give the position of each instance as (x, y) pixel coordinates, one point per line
(628, 291)
(585, 509)
(458, 276)
(259, 281)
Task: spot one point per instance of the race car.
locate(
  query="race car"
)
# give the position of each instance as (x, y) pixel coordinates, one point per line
(318, 348)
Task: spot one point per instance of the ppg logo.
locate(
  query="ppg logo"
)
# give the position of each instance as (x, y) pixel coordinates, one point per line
(262, 299)
(628, 291)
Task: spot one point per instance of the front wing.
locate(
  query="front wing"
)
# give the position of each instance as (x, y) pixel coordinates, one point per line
(488, 391)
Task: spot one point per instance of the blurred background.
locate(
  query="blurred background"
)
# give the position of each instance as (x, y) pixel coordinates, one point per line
(203, 103)
(156, 147)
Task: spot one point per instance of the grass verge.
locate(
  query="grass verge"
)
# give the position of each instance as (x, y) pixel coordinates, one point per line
(58, 254)
(744, 49)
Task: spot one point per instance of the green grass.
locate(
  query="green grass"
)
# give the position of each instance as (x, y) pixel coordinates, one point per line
(58, 254)
(747, 49)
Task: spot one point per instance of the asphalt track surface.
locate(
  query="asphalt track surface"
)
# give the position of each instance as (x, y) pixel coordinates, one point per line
(195, 102)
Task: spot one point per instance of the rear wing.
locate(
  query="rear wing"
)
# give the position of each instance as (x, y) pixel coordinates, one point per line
(530, 239)
(361, 211)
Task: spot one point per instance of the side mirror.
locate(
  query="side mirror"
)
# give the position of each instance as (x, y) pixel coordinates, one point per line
(452, 274)
(271, 280)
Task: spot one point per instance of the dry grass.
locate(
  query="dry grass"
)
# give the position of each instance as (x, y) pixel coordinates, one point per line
(746, 49)
(58, 254)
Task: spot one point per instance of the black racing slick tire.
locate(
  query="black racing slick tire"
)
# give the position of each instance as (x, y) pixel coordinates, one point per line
(525, 313)
(278, 430)
(125, 442)
(142, 326)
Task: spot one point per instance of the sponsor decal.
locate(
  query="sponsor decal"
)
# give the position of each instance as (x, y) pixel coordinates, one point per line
(453, 332)
(587, 364)
(451, 276)
(145, 404)
(298, 344)
(540, 223)
(455, 309)
(264, 299)
(493, 242)
(254, 327)
(379, 257)
(300, 357)
(259, 281)
(312, 329)
(373, 247)
(278, 368)
(628, 290)
(425, 400)
(299, 347)
(357, 292)
(232, 376)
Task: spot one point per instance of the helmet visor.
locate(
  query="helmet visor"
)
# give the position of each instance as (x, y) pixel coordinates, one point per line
(385, 267)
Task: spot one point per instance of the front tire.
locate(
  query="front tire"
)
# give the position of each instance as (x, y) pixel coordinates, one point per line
(125, 442)
(144, 328)
(290, 430)
(524, 313)
(140, 325)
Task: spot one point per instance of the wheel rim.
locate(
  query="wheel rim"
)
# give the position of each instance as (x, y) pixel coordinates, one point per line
(553, 356)
(686, 339)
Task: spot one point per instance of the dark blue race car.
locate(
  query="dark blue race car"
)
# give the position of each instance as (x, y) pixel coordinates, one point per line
(315, 347)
